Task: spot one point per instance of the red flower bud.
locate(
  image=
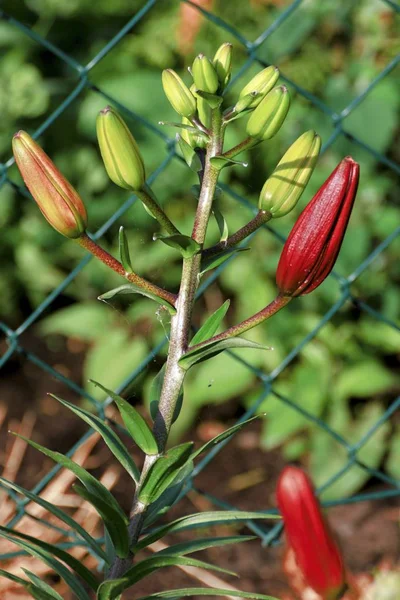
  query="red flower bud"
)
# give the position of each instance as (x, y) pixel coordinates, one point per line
(317, 554)
(59, 202)
(313, 245)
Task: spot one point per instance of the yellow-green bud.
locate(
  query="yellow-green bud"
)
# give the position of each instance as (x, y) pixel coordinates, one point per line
(283, 189)
(204, 110)
(119, 151)
(59, 202)
(222, 62)
(252, 93)
(269, 115)
(178, 94)
(204, 75)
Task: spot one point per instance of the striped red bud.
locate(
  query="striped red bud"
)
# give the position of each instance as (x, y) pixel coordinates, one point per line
(317, 555)
(59, 202)
(313, 245)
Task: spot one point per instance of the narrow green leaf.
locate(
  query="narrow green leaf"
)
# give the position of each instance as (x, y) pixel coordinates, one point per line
(192, 592)
(109, 590)
(134, 422)
(42, 585)
(211, 349)
(209, 328)
(212, 99)
(120, 452)
(220, 162)
(189, 155)
(189, 128)
(207, 264)
(163, 472)
(48, 558)
(35, 591)
(223, 436)
(198, 520)
(124, 251)
(222, 224)
(130, 288)
(155, 395)
(91, 483)
(185, 244)
(60, 514)
(116, 526)
(204, 543)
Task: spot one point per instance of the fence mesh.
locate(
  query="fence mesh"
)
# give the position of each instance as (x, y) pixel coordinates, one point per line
(268, 535)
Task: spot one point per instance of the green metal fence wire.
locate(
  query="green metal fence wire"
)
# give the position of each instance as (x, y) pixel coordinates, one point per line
(268, 535)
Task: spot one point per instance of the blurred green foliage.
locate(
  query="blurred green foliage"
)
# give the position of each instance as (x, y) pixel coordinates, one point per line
(346, 374)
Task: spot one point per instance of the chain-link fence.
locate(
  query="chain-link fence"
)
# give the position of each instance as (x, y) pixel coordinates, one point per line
(82, 72)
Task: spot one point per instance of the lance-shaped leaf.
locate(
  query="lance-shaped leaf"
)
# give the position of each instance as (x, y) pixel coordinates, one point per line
(115, 524)
(185, 244)
(131, 288)
(44, 587)
(204, 544)
(46, 556)
(124, 251)
(35, 591)
(100, 495)
(222, 436)
(109, 590)
(155, 395)
(163, 472)
(189, 155)
(222, 224)
(220, 162)
(199, 520)
(60, 514)
(120, 451)
(207, 264)
(208, 350)
(211, 325)
(188, 128)
(134, 422)
(212, 100)
(192, 592)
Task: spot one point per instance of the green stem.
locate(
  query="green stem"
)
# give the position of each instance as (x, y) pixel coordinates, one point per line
(146, 195)
(245, 145)
(260, 219)
(111, 262)
(253, 321)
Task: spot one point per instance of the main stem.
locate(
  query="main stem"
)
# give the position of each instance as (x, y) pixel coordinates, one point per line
(180, 331)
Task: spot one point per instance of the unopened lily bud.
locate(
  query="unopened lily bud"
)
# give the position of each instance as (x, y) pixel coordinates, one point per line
(269, 115)
(119, 151)
(313, 245)
(57, 199)
(317, 555)
(222, 62)
(178, 94)
(204, 74)
(204, 111)
(252, 93)
(282, 190)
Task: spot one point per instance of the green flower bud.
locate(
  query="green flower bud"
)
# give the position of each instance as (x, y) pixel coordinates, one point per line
(283, 189)
(59, 202)
(204, 111)
(119, 151)
(204, 75)
(252, 93)
(222, 62)
(178, 94)
(269, 115)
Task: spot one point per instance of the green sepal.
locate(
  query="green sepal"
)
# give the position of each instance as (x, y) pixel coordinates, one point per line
(117, 526)
(209, 328)
(211, 349)
(59, 513)
(207, 264)
(131, 288)
(185, 244)
(124, 251)
(137, 427)
(193, 592)
(163, 472)
(155, 395)
(222, 436)
(109, 436)
(200, 520)
(213, 100)
(189, 155)
(220, 162)
(111, 589)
